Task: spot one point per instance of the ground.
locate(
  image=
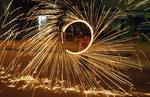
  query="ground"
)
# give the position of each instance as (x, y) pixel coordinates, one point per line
(140, 79)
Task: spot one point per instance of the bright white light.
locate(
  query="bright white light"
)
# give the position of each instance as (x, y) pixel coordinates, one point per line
(91, 30)
(41, 21)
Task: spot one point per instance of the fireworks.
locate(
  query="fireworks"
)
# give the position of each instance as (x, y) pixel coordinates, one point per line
(49, 64)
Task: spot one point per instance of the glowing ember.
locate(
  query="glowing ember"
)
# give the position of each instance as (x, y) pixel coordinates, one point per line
(39, 61)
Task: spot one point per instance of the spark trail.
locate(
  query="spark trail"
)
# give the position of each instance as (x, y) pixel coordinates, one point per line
(99, 67)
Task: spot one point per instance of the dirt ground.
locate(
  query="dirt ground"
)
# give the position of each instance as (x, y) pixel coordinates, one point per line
(140, 79)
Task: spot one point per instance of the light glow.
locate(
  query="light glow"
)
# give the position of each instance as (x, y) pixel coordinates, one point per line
(41, 21)
(91, 31)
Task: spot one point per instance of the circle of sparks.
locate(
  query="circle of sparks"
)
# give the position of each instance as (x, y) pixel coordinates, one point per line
(91, 31)
(41, 62)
